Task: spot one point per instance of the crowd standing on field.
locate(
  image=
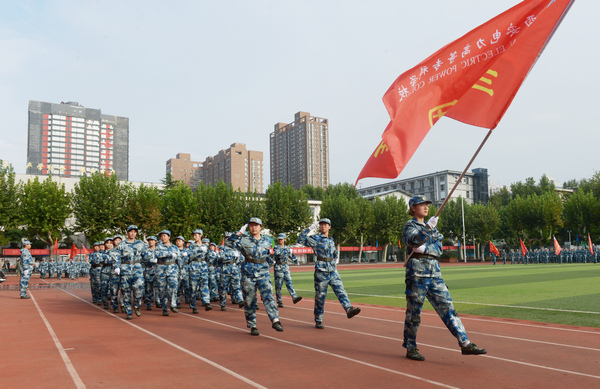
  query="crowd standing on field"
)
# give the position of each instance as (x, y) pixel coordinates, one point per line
(545, 255)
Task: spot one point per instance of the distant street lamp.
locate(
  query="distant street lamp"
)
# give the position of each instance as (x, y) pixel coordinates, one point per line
(569, 231)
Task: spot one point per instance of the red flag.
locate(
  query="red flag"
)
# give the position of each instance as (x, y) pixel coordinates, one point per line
(557, 248)
(590, 244)
(523, 248)
(73, 251)
(399, 244)
(473, 80)
(493, 249)
(55, 246)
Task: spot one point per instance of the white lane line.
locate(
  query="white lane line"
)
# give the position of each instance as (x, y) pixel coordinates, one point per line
(208, 361)
(76, 379)
(443, 328)
(472, 303)
(548, 326)
(454, 350)
(328, 353)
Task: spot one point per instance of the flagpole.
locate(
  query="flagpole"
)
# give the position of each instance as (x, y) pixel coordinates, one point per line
(464, 172)
(454, 188)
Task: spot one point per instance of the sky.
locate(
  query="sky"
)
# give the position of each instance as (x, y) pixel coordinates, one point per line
(197, 76)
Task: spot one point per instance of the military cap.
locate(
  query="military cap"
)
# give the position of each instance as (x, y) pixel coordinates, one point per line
(97, 243)
(110, 238)
(151, 237)
(198, 231)
(418, 199)
(213, 244)
(325, 220)
(117, 237)
(180, 237)
(255, 220)
(26, 242)
(165, 232)
(205, 240)
(132, 227)
(281, 236)
(227, 234)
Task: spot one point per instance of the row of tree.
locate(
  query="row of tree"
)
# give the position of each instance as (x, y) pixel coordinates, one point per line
(101, 205)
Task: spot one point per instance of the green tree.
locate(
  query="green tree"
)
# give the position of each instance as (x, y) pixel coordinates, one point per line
(482, 221)
(287, 210)
(344, 214)
(97, 205)
(591, 185)
(9, 202)
(45, 208)
(179, 210)
(500, 199)
(582, 213)
(221, 209)
(142, 208)
(313, 192)
(524, 189)
(390, 215)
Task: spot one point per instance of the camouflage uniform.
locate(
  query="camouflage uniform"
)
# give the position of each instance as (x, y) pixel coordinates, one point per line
(114, 256)
(51, 268)
(95, 274)
(43, 269)
(326, 273)
(167, 274)
(131, 272)
(105, 275)
(229, 261)
(26, 267)
(213, 272)
(198, 274)
(147, 259)
(281, 271)
(256, 275)
(183, 264)
(424, 279)
(60, 266)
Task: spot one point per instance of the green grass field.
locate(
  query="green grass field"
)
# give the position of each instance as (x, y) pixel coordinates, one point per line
(552, 293)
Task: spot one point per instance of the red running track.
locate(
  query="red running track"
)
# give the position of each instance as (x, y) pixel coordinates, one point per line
(58, 339)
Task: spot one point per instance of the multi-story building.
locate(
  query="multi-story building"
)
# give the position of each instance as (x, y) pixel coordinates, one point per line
(436, 186)
(241, 168)
(300, 151)
(182, 168)
(69, 140)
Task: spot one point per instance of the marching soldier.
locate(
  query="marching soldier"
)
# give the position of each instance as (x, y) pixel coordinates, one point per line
(283, 254)
(167, 273)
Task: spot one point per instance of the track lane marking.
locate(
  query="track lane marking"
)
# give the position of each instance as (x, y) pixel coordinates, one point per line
(199, 357)
(61, 350)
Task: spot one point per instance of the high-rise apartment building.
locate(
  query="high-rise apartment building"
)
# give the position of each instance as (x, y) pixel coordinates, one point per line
(300, 151)
(241, 168)
(182, 168)
(69, 140)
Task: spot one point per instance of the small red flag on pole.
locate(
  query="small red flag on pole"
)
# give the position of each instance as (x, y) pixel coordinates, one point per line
(494, 249)
(523, 248)
(73, 251)
(557, 248)
(590, 244)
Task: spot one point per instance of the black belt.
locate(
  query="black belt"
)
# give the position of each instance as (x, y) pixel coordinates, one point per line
(255, 260)
(99, 265)
(129, 262)
(281, 263)
(325, 259)
(423, 256)
(198, 260)
(165, 262)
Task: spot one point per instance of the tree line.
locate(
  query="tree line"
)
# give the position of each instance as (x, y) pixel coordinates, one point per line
(100, 205)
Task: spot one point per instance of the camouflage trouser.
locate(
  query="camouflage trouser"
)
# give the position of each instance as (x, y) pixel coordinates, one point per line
(96, 284)
(250, 285)
(24, 281)
(436, 291)
(322, 280)
(199, 283)
(212, 280)
(150, 285)
(183, 285)
(132, 281)
(113, 289)
(167, 277)
(104, 289)
(230, 281)
(282, 274)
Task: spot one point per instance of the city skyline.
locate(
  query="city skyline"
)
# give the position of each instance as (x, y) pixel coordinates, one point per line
(230, 87)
